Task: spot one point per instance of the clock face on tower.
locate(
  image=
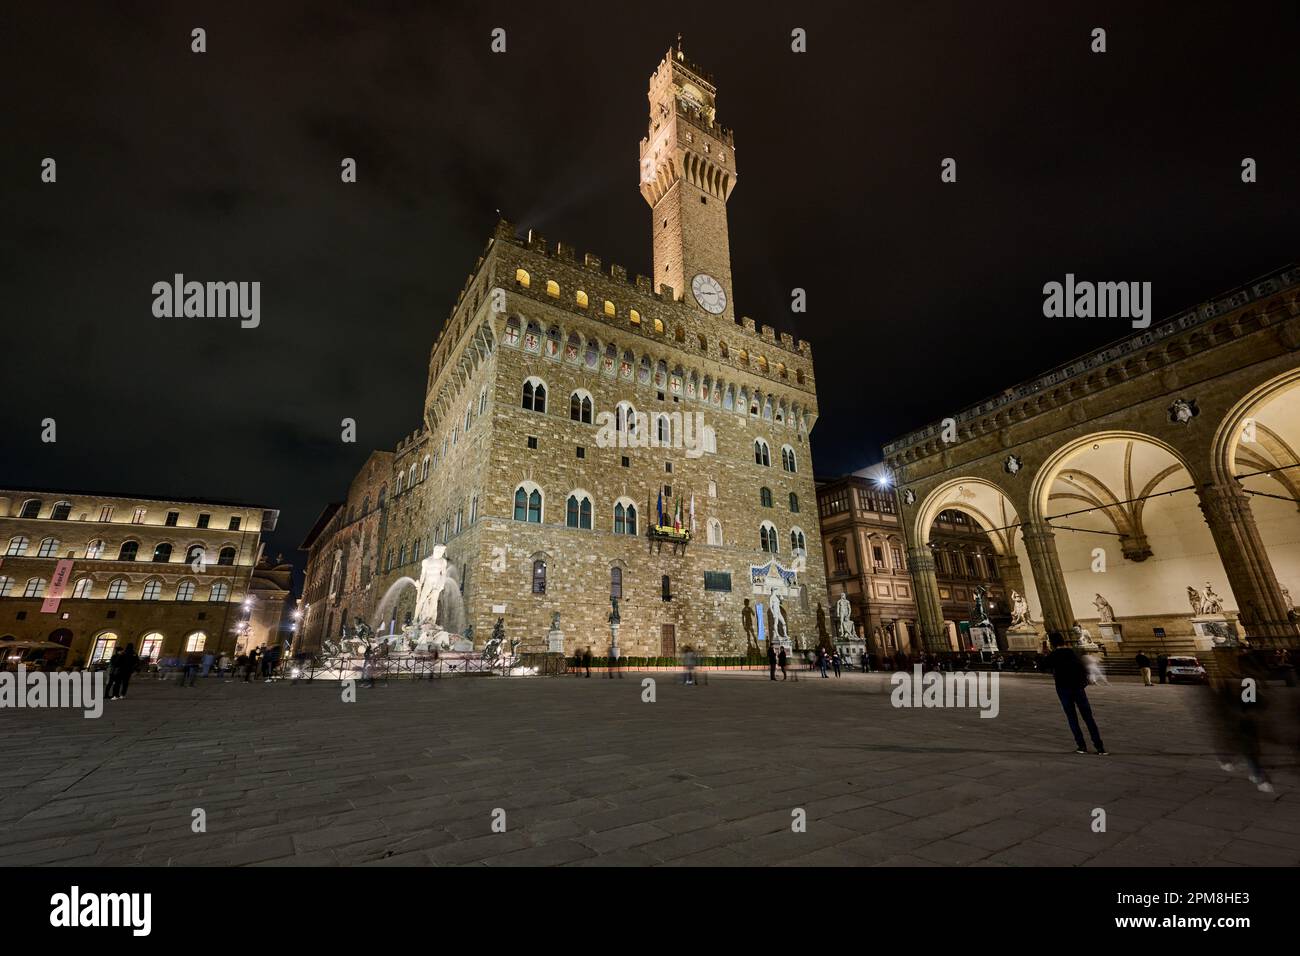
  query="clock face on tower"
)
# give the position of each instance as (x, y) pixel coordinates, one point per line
(709, 293)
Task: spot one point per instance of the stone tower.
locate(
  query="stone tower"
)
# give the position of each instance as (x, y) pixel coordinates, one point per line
(688, 169)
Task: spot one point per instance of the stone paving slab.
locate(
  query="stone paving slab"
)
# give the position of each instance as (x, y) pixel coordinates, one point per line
(586, 773)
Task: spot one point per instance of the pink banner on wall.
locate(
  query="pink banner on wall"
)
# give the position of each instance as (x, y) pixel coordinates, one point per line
(62, 571)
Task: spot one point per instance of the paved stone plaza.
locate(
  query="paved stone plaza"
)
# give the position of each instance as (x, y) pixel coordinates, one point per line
(589, 774)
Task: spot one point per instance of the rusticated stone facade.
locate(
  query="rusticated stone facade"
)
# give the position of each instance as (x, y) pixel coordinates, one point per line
(564, 400)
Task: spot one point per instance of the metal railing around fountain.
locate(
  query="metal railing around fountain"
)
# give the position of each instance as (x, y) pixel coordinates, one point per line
(423, 667)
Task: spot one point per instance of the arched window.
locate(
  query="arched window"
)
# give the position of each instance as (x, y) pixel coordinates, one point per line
(35, 588)
(152, 590)
(424, 468)
(82, 588)
(195, 642)
(624, 517)
(625, 419)
(798, 375)
(116, 589)
(523, 278)
(794, 502)
(539, 576)
(103, 648)
(410, 475)
(616, 582)
(679, 334)
(17, 546)
(512, 330)
(227, 556)
(61, 511)
(723, 351)
(528, 503)
(703, 343)
(535, 395)
(634, 317)
(578, 510)
(482, 400)
(581, 298)
(128, 551)
(714, 531)
(787, 459)
(151, 645)
(31, 508)
(762, 455)
(219, 592)
(580, 407)
(659, 327)
(666, 588)
(664, 431)
(95, 548)
(765, 497)
(609, 309)
(6, 586)
(49, 548)
(185, 591)
(162, 553)
(399, 483)
(552, 288)
(797, 540)
(767, 537)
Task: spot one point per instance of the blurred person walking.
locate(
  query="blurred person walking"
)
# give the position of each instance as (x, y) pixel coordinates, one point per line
(1071, 688)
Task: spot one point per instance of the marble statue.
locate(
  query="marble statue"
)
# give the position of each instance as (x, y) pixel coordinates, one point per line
(844, 615)
(1286, 596)
(1205, 603)
(433, 578)
(1104, 611)
(1082, 636)
(613, 614)
(1019, 610)
(1211, 603)
(779, 629)
(555, 622)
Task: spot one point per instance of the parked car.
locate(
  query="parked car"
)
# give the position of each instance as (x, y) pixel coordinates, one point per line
(1187, 669)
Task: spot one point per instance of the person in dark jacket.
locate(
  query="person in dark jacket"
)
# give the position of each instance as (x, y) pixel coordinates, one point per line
(126, 667)
(114, 673)
(1162, 665)
(782, 661)
(1071, 687)
(1144, 667)
(771, 660)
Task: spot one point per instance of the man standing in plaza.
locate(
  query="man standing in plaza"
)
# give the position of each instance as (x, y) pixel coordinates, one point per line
(771, 661)
(782, 660)
(1071, 687)
(1144, 667)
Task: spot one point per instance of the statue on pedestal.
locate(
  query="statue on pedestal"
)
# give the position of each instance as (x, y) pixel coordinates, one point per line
(844, 615)
(1105, 612)
(433, 578)
(779, 629)
(1020, 611)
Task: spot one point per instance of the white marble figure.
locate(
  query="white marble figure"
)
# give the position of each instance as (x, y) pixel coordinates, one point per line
(1104, 611)
(1211, 603)
(1205, 603)
(779, 629)
(844, 614)
(1019, 611)
(1286, 596)
(433, 578)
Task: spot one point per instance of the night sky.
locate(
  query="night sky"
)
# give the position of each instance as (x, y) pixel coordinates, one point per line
(923, 297)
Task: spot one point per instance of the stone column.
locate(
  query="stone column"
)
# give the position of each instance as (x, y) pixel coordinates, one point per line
(1040, 543)
(1250, 572)
(929, 610)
